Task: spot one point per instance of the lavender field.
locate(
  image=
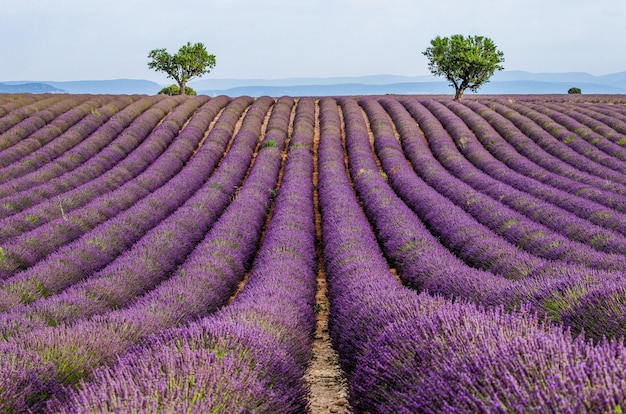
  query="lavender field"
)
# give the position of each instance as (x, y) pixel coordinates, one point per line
(163, 254)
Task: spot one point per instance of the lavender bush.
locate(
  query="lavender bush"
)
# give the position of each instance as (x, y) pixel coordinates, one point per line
(250, 356)
(472, 359)
(200, 286)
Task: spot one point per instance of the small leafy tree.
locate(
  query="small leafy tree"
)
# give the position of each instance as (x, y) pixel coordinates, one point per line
(467, 62)
(190, 62)
(574, 90)
(173, 89)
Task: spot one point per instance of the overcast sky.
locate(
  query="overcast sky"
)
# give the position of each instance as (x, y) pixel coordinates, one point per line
(272, 39)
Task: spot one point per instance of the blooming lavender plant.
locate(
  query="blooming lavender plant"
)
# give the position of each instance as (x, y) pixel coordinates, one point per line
(76, 135)
(580, 298)
(11, 130)
(110, 169)
(555, 147)
(116, 145)
(462, 359)
(592, 122)
(508, 135)
(472, 358)
(199, 287)
(17, 101)
(250, 356)
(75, 111)
(518, 229)
(156, 255)
(495, 173)
(57, 147)
(102, 244)
(581, 138)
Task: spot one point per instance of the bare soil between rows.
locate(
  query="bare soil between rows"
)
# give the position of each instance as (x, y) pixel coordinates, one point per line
(328, 391)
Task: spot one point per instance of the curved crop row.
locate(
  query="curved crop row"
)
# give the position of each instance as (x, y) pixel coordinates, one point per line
(11, 102)
(513, 227)
(589, 143)
(75, 111)
(586, 186)
(99, 246)
(493, 174)
(155, 256)
(583, 299)
(572, 191)
(74, 148)
(547, 141)
(129, 157)
(458, 230)
(34, 188)
(200, 286)
(24, 251)
(57, 147)
(251, 355)
(611, 114)
(409, 353)
(469, 267)
(15, 125)
(592, 122)
(501, 219)
(508, 135)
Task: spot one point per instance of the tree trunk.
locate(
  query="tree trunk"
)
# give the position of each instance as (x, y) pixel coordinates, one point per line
(182, 88)
(459, 94)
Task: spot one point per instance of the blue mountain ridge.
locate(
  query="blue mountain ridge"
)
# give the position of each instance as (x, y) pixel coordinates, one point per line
(505, 82)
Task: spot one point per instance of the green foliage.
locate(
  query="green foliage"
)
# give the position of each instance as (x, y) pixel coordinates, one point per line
(174, 89)
(269, 143)
(190, 62)
(467, 62)
(574, 90)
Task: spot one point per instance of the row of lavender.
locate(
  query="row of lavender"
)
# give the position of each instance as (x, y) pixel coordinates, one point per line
(582, 297)
(58, 341)
(251, 355)
(405, 352)
(14, 124)
(23, 251)
(86, 321)
(152, 258)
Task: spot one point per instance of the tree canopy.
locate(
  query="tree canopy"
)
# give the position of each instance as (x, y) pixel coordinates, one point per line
(173, 89)
(467, 62)
(190, 62)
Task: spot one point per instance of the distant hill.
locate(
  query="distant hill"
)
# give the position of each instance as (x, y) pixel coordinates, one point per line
(506, 82)
(30, 87)
(439, 88)
(115, 86)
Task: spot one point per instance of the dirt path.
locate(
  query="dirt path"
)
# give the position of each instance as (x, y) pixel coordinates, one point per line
(328, 387)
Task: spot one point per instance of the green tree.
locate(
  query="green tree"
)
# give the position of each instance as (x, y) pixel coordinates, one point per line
(467, 62)
(574, 90)
(173, 89)
(190, 62)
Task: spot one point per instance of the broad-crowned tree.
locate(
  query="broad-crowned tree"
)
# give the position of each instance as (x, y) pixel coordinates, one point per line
(190, 62)
(467, 62)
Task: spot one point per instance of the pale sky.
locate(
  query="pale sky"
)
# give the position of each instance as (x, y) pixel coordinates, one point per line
(272, 39)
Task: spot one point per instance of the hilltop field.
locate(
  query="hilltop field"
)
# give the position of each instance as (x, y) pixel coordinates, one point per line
(367, 254)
